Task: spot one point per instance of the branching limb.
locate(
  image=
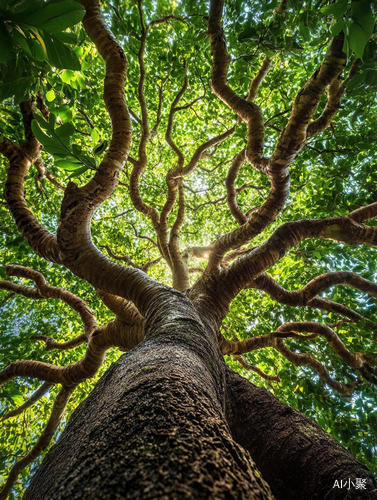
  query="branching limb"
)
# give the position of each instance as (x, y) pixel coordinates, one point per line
(159, 109)
(26, 291)
(61, 346)
(247, 111)
(290, 141)
(130, 262)
(54, 292)
(249, 367)
(258, 79)
(43, 172)
(57, 412)
(231, 193)
(358, 361)
(306, 296)
(38, 394)
(20, 160)
(247, 268)
(75, 244)
(335, 93)
(181, 280)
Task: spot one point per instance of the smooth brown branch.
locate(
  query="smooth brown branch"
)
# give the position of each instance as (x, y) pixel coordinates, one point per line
(136, 117)
(231, 193)
(38, 394)
(20, 160)
(124, 258)
(140, 88)
(122, 308)
(288, 146)
(62, 346)
(25, 291)
(150, 263)
(121, 333)
(357, 361)
(193, 270)
(169, 128)
(53, 292)
(56, 415)
(159, 109)
(303, 359)
(249, 367)
(336, 308)
(335, 93)
(247, 111)
(234, 255)
(306, 296)
(130, 262)
(363, 214)
(181, 279)
(200, 153)
(354, 360)
(247, 268)
(86, 117)
(41, 105)
(76, 247)
(44, 172)
(258, 79)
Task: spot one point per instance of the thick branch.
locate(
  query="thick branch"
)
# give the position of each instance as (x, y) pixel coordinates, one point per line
(335, 93)
(290, 141)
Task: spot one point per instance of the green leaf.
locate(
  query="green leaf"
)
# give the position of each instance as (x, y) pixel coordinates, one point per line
(337, 27)
(77, 172)
(50, 95)
(67, 76)
(100, 148)
(65, 130)
(5, 44)
(59, 55)
(57, 16)
(95, 135)
(336, 9)
(357, 39)
(67, 164)
(304, 32)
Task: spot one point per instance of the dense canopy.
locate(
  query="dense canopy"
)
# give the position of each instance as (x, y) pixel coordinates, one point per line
(250, 147)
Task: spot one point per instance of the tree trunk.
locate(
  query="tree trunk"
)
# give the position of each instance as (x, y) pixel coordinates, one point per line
(154, 427)
(297, 458)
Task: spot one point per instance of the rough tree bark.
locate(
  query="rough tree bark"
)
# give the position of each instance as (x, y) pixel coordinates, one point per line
(155, 425)
(165, 420)
(169, 420)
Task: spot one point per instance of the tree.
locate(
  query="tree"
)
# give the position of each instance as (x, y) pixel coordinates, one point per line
(231, 99)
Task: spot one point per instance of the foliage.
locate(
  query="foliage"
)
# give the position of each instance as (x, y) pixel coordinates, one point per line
(45, 49)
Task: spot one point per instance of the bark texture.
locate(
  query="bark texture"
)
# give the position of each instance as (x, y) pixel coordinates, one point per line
(154, 427)
(297, 458)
